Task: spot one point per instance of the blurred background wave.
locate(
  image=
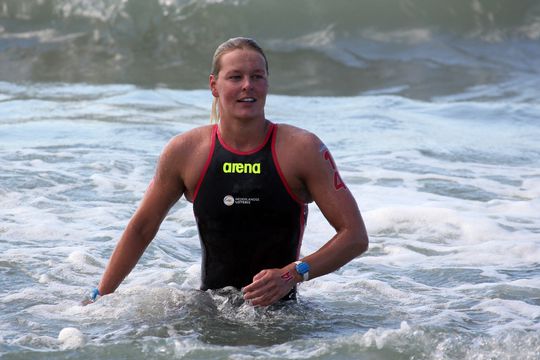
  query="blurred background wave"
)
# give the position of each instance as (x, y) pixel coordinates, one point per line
(420, 49)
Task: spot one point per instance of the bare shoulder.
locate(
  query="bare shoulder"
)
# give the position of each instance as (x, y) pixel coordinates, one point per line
(296, 139)
(190, 141)
(186, 148)
(299, 155)
(185, 155)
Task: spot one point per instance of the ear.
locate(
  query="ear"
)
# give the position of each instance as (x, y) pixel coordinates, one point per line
(213, 86)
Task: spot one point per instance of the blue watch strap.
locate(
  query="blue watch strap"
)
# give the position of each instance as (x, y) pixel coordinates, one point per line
(302, 268)
(94, 295)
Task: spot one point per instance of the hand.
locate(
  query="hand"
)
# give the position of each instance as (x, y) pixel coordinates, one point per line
(269, 286)
(92, 297)
(86, 302)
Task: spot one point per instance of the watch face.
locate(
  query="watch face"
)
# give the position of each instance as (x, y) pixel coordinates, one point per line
(302, 268)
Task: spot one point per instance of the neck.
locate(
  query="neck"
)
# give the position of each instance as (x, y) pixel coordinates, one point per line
(243, 135)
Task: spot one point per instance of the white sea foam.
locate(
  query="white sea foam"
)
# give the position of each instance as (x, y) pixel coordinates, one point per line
(513, 309)
(131, 303)
(379, 337)
(35, 341)
(28, 294)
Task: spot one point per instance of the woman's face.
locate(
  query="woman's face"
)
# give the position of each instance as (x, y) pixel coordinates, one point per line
(241, 85)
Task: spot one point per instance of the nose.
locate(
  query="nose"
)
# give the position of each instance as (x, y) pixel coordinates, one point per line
(247, 84)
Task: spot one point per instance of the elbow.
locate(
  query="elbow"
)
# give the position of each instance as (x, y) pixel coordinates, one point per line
(360, 243)
(143, 231)
(365, 244)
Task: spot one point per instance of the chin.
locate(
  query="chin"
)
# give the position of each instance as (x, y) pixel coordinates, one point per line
(250, 116)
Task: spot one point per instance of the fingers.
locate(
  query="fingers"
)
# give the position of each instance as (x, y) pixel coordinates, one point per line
(268, 287)
(260, 287)
(259, 275)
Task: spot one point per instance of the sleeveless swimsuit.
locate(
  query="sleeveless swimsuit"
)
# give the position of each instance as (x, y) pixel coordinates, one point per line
(248, 218)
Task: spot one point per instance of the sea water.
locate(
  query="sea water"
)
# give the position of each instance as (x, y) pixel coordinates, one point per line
(432, 116)
(450, 197)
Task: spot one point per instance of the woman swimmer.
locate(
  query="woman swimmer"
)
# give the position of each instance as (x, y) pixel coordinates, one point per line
(250, 181)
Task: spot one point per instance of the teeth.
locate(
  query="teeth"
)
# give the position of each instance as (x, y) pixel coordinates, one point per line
(247, 100)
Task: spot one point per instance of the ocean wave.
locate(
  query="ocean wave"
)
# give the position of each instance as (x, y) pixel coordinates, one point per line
(425, 48)
(473, 17)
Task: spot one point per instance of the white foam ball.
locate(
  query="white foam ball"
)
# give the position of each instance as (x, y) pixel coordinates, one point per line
(71, 338)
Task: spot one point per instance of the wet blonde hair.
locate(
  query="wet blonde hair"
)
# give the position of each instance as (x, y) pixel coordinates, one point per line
(241, 43)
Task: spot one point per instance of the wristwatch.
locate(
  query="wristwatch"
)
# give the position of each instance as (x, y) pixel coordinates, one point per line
(302, 268)
(95, 294)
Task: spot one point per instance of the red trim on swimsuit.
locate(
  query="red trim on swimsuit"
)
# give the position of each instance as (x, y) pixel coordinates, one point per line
(207, 164)
(258, 148)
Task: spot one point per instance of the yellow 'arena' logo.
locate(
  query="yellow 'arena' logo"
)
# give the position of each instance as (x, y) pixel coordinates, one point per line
(241, 168)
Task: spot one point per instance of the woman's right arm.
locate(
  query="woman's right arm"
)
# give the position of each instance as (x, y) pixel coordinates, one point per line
(162, 193)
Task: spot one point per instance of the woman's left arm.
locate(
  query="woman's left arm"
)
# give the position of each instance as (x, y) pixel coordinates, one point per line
(319, 174)
(339, 207)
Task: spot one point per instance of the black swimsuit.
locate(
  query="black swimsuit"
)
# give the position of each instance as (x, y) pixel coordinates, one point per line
(247, 216)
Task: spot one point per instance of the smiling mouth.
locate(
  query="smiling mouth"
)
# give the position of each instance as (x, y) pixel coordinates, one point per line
(247, 100)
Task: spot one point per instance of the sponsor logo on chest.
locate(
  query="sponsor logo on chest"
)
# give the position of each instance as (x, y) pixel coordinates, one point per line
(230, 200)
(241, 168)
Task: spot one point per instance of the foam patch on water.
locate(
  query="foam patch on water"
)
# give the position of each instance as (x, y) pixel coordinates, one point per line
(513, 310)
(133, 303)
(28, 294)
(376, 343)
(83, 260)
(416, 235)
(432, 224)
(505, 345)
(36, 341)
(380, 337)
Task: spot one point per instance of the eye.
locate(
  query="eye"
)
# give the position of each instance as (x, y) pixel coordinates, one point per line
(235, 77)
